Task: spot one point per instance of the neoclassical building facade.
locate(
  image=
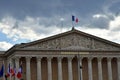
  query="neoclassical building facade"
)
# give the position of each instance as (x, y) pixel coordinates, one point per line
(72, 55)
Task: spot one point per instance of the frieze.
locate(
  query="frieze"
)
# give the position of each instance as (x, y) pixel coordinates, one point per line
(75, 42)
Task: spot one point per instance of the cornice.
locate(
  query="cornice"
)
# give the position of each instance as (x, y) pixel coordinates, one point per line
(63, 50)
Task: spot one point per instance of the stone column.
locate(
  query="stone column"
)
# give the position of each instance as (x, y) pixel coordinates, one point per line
(100, 69)
(28, 72)
(17, 65)
(80, 69)
(59, 68)
(90, 68)
(39, 76)
(70, 75)
(109, 69)
(118, 65)
(49, 68)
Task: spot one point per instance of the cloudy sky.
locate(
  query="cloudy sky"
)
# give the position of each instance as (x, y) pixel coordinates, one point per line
(22, 21)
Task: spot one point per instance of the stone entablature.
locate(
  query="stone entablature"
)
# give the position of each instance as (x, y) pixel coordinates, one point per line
(66, 54)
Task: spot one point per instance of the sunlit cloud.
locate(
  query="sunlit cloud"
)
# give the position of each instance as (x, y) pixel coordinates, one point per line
(102, 33)
(115, 24)
(29, 29)
(99, 16)
(5, 45)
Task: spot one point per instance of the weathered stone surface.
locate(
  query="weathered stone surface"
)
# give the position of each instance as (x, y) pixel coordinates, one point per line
(75, 42)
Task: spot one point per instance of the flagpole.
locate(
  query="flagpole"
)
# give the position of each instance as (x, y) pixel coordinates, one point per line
(3, 70)
(10, 70)
(72, 24)
(62, 19)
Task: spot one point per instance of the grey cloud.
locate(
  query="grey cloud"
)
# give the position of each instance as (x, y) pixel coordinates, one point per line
(49, 8)
(50, 12)
(100, 22)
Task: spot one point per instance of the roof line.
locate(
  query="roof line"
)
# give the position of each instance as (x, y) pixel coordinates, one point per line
(65, 33)
(59, 35)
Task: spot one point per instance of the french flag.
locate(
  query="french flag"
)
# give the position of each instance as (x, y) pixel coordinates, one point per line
(8, 71)
(19, 74)
(75, 19)
(14, 71)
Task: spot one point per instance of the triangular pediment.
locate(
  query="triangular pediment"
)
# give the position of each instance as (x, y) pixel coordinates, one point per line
(71, 40)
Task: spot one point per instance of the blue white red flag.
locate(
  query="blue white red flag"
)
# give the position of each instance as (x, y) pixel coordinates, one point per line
(75, 19)
(19, 74)
(10, 71)
(14, 71)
